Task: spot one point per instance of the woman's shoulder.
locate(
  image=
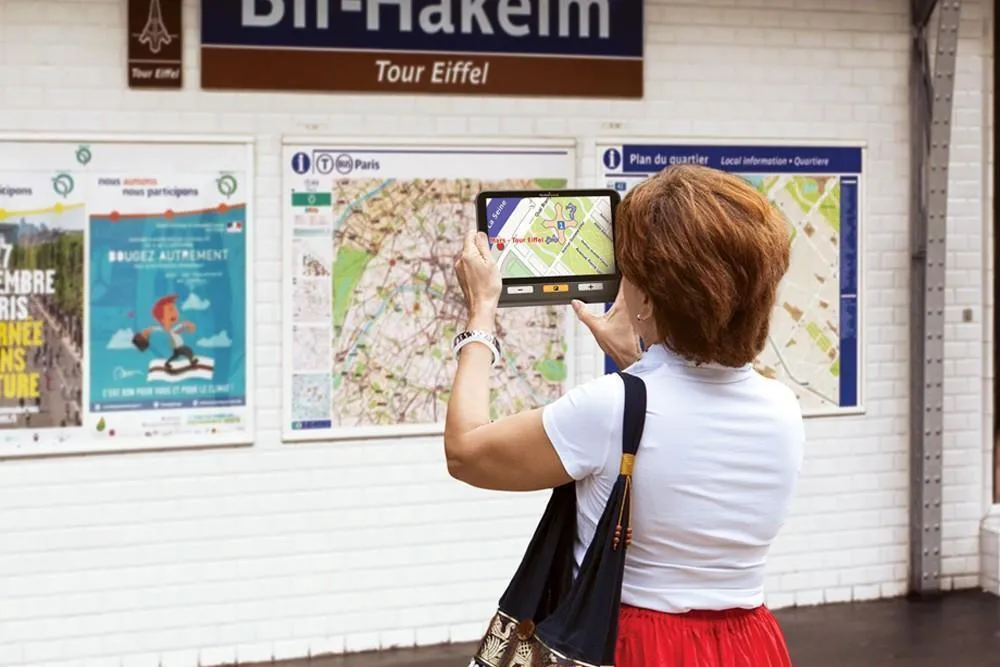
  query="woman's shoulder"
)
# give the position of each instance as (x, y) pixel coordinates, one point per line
(601, 394)
(782, 407)
(779, 394)
(584, 422)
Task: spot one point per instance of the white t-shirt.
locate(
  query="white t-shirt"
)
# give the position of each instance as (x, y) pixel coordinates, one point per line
(713, 479)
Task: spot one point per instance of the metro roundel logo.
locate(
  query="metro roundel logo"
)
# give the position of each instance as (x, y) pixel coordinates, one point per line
(612, 158)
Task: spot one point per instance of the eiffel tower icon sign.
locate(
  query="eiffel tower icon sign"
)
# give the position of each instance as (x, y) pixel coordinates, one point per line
(155, 43)
(155, 34)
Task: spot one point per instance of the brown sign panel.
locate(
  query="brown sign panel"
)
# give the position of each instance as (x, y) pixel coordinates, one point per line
(399, 72)
(155, 44)
(541, 48)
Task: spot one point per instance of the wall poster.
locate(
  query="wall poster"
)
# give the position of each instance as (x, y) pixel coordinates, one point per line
(371, 301)
(815, 342)
(123, 294)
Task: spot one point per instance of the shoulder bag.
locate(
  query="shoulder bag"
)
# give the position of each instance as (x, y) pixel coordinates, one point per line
(548, 617)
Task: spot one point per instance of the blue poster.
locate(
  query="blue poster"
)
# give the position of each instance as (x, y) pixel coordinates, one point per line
(168, 310)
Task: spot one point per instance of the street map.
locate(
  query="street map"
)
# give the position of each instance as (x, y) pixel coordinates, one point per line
(551, 236)
(397, 305)
(813, 343)
(804, 342)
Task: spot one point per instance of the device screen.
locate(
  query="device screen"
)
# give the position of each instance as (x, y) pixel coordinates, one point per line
(551, 236)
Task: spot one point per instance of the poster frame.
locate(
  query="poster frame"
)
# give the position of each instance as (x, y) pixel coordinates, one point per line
(472, 143)
(603, 141)
(84, 445)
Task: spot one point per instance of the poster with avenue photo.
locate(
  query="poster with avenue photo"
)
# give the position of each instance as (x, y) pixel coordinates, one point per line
(141, 343)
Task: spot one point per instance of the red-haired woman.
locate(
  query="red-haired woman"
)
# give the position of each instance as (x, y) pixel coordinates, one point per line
(701, 254)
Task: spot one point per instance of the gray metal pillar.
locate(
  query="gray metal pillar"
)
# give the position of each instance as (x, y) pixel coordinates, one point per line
(931, 107)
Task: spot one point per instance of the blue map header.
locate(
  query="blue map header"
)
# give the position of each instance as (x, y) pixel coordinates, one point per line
(645, 159)
(609, 28)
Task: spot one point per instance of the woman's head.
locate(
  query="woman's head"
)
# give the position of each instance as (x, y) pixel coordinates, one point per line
(701, 254)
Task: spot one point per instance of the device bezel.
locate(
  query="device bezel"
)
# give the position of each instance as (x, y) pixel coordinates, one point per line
(597, 296)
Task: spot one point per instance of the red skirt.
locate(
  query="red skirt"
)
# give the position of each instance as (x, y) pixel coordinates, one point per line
(732, 638)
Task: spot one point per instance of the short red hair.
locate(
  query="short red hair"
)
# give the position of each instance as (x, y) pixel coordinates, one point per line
(709, 251)
(162, 304)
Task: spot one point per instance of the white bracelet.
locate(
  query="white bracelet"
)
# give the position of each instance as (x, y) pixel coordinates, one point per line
(484, 337)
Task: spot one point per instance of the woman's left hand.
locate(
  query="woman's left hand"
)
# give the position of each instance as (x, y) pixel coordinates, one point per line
(479, 275)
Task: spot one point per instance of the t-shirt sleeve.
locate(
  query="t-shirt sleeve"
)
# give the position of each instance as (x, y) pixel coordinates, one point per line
(584, 424)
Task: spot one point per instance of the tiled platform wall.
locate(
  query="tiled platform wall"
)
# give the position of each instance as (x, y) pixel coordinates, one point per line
(214, 556)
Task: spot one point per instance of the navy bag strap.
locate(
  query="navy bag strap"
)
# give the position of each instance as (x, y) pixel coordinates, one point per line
(578, 618)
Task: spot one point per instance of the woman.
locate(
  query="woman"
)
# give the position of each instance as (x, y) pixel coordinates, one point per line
(701, 254)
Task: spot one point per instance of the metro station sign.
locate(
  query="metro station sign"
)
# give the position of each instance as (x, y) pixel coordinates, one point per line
(540, 48)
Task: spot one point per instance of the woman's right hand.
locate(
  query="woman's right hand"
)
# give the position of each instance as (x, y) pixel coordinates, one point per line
(612, 330)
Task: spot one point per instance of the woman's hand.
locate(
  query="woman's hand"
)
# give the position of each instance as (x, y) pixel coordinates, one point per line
(613, 331)
(479, 277)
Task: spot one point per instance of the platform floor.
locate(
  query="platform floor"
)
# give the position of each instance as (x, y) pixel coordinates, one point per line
(955, 630)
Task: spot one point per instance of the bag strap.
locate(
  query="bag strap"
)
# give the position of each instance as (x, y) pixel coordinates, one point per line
(634, 416)
(585, 624)
(633, 424)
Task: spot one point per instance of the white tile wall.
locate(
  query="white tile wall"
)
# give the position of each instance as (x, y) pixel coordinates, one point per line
(966, 360)
(990, 550)
(990, 532)
(989, 230)
(283, 551)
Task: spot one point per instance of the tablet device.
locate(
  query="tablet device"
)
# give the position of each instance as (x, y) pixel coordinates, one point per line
(552, 246)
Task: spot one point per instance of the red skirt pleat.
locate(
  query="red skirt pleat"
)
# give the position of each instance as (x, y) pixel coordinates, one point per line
(731, 638)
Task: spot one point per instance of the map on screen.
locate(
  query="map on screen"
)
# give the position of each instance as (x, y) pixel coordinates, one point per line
(551, 236)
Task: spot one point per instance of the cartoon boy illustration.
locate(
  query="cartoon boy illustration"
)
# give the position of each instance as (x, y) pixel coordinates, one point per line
(166, 313)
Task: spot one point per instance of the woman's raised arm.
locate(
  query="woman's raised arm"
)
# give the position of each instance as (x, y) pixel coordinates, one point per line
(510, 454)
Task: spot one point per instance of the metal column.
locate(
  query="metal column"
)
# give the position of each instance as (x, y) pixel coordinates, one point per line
(931, 111)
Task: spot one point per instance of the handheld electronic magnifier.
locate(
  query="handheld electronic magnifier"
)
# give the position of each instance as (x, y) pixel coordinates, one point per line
(552, 246)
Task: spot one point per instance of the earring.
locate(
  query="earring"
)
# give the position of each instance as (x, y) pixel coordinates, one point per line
(638, 317)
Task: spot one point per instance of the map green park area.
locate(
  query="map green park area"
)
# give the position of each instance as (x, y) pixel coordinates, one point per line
(396, 305)
(553, 236)
(803, 348)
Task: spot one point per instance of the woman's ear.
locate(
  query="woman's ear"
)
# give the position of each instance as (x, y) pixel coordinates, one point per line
(647, 328)
(646, 310)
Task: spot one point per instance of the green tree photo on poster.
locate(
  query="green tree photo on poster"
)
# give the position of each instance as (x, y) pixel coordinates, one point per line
(61, 250)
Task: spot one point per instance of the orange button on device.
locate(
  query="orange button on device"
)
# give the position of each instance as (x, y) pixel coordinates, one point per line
(549, 289)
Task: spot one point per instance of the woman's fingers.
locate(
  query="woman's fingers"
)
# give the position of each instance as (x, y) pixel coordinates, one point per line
(483, 246)
(469, 247)
(618, 305)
